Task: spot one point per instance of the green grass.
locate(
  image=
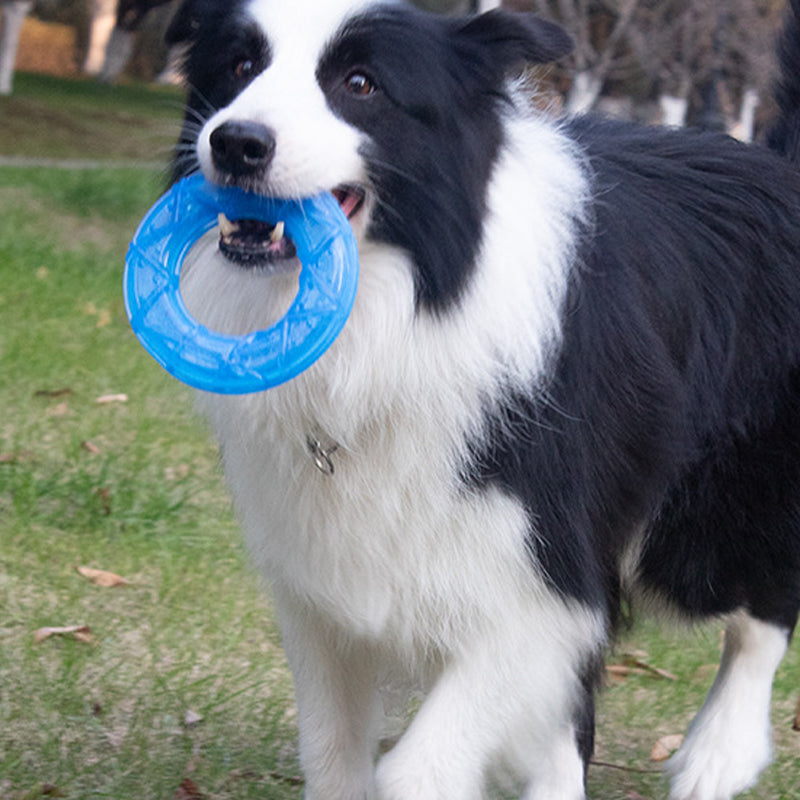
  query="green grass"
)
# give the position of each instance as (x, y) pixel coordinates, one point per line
(59, 118)
(635, 713)
(145, 499)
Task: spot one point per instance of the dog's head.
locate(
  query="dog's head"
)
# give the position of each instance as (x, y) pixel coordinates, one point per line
(395, 111)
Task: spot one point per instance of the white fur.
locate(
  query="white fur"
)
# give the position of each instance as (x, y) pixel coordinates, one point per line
(729, 742)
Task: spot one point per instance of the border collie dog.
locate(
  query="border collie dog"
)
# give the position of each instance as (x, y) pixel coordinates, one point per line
(571, 378)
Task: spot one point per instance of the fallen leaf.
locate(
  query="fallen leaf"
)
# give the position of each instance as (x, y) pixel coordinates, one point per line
(619, 672)
(101, 577)
(43, 790)
(666, 746)
(63, 392)
(82, 633)
(91, 447)
(104, 495)
(192, 718)
(639, 663)
(16, 457)
(706, 672)
(58, 410)
(623, 767)
(105, 399)
(245, 775)
(635, 663)
(188, 790)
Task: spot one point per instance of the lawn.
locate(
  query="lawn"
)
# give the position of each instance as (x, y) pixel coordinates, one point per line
(48, 116)
(175, 685)
(183, 678)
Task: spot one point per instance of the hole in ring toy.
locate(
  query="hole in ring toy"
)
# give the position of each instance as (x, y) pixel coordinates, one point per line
(217, 362)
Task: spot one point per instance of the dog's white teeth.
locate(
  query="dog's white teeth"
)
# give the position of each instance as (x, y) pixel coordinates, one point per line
(277, 232)
(226, 227)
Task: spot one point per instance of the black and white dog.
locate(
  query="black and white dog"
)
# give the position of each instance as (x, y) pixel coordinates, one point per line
(571, 376)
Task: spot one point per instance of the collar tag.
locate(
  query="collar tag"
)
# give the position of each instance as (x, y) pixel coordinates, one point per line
(322, 455)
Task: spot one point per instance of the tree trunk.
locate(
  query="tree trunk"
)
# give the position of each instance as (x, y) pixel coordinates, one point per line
(104, 15)
(583, 93)
(744, 127)
(673, 110)
(118, 51)
(13, 15)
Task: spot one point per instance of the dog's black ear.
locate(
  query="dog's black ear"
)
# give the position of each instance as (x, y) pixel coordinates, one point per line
(517, 38)
(184, 24)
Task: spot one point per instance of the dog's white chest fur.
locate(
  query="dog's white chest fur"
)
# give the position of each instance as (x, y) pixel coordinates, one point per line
(386, 545)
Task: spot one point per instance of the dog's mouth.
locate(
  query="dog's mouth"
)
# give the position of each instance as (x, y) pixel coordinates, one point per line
(350, 198)
(252, 243)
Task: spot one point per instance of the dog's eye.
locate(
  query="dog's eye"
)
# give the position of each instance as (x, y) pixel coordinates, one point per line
(359, 84)
(244, 69)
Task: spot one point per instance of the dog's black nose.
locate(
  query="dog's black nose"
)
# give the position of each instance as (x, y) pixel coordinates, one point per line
(242, 148)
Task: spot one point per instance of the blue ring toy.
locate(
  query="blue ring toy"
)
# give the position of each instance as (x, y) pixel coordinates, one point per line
(217, 362)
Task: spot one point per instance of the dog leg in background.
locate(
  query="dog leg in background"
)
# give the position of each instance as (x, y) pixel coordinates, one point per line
(510, 694)
(729, 741)
(338, 709)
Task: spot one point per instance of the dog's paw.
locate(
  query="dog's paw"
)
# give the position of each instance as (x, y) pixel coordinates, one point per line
(396, 783)
(347, 794)
(401, 777)
(717, 764)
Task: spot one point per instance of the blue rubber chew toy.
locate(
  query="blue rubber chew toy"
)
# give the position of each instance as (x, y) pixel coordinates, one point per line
(217, 362)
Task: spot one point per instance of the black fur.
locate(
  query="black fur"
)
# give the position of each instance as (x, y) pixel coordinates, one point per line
(673, 410)
(445, 79)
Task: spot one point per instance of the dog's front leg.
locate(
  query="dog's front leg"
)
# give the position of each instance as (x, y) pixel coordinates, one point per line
(513, 693)
(338, 712)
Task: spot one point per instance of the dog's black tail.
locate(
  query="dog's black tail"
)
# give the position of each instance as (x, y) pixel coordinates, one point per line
(784, 137)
